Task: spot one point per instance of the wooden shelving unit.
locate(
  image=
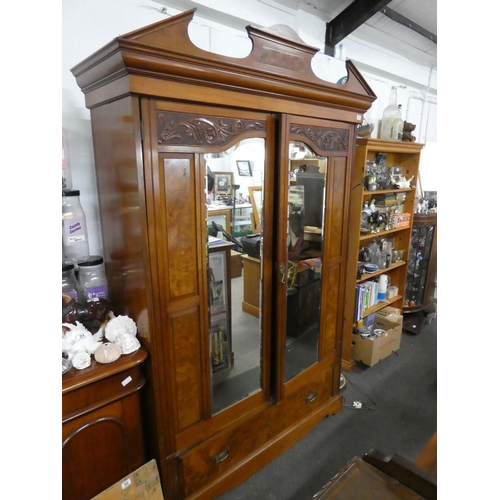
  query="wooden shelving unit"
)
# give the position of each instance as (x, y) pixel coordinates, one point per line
(407, 156)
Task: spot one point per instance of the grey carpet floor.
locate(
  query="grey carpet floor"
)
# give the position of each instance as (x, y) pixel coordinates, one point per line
(398, 415)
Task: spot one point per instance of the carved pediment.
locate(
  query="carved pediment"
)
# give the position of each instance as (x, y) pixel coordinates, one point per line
(279, 64)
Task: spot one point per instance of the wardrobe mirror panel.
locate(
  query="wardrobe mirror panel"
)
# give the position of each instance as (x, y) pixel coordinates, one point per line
(306, 196)
(234, 197)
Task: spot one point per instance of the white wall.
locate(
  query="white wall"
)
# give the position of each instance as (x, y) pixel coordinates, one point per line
(218, 26)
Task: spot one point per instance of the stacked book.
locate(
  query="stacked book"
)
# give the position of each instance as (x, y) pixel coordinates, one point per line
(388, 200)
(366, 297)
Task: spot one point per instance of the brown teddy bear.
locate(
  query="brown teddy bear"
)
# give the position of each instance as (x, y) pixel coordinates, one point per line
(408, 128)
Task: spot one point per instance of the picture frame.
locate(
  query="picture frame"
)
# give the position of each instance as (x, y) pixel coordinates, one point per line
(244, 168)
(223, 182)
(222, 216)
(255, 193)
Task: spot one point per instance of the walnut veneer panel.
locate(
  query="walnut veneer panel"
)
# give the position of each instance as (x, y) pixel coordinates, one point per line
(335, 215)
(180, 212)
(185, 327)
(330, 308)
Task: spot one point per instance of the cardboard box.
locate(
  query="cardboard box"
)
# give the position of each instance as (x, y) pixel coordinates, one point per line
(236, 264)
(370, 351)
(387, 315)
(143, 484)
(391, 309)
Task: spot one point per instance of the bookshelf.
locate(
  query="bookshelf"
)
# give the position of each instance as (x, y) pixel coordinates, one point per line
(398, 154)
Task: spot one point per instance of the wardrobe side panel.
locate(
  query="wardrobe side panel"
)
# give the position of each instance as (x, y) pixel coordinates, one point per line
(117, 145)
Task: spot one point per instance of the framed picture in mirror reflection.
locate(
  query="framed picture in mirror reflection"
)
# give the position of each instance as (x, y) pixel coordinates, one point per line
(223, 182)
(244, 168)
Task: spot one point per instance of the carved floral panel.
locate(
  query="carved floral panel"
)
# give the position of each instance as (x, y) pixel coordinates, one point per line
(193, 130)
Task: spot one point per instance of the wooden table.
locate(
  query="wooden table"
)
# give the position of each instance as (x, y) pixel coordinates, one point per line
(378, 477)
(251, 285)
(102, 436)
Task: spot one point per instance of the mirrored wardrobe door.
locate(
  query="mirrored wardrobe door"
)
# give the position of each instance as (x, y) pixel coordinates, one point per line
(234, 196)
(313, 179)
(305, 219)
(212, 163)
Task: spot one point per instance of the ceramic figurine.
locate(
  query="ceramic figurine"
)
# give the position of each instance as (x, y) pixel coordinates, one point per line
(383, 179)
(400, 182)
(365, 218)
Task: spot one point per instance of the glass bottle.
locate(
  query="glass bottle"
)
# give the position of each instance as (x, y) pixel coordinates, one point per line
(92, 279)
(66, 170)
(389, 114)
(69, 282)
(74, 227)
(397, 126)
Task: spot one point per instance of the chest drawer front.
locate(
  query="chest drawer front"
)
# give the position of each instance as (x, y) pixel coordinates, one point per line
(218, 455)
(102, 392)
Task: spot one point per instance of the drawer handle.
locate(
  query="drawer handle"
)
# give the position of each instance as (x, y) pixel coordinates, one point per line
(222, 455)
(311, 397)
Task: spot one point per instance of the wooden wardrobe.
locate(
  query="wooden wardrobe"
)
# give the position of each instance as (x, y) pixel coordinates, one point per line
(162, 112)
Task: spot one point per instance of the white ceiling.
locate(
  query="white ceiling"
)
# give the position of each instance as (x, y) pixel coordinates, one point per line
(422, 13)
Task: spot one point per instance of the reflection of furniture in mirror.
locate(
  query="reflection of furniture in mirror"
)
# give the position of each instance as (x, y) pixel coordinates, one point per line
(221, 216)
(251, 285)
(314, 185)
(303, 301)
(152, 123)
(312, 233)
(302, 298)
(219, 282)
(255, 193)
(242, 221)
(295, 230)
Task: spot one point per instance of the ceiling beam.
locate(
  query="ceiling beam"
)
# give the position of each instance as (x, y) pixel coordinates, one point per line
(351, 18)
(392, 14)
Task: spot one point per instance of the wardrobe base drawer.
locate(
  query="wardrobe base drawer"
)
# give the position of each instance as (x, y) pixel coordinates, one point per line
(229, 448)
